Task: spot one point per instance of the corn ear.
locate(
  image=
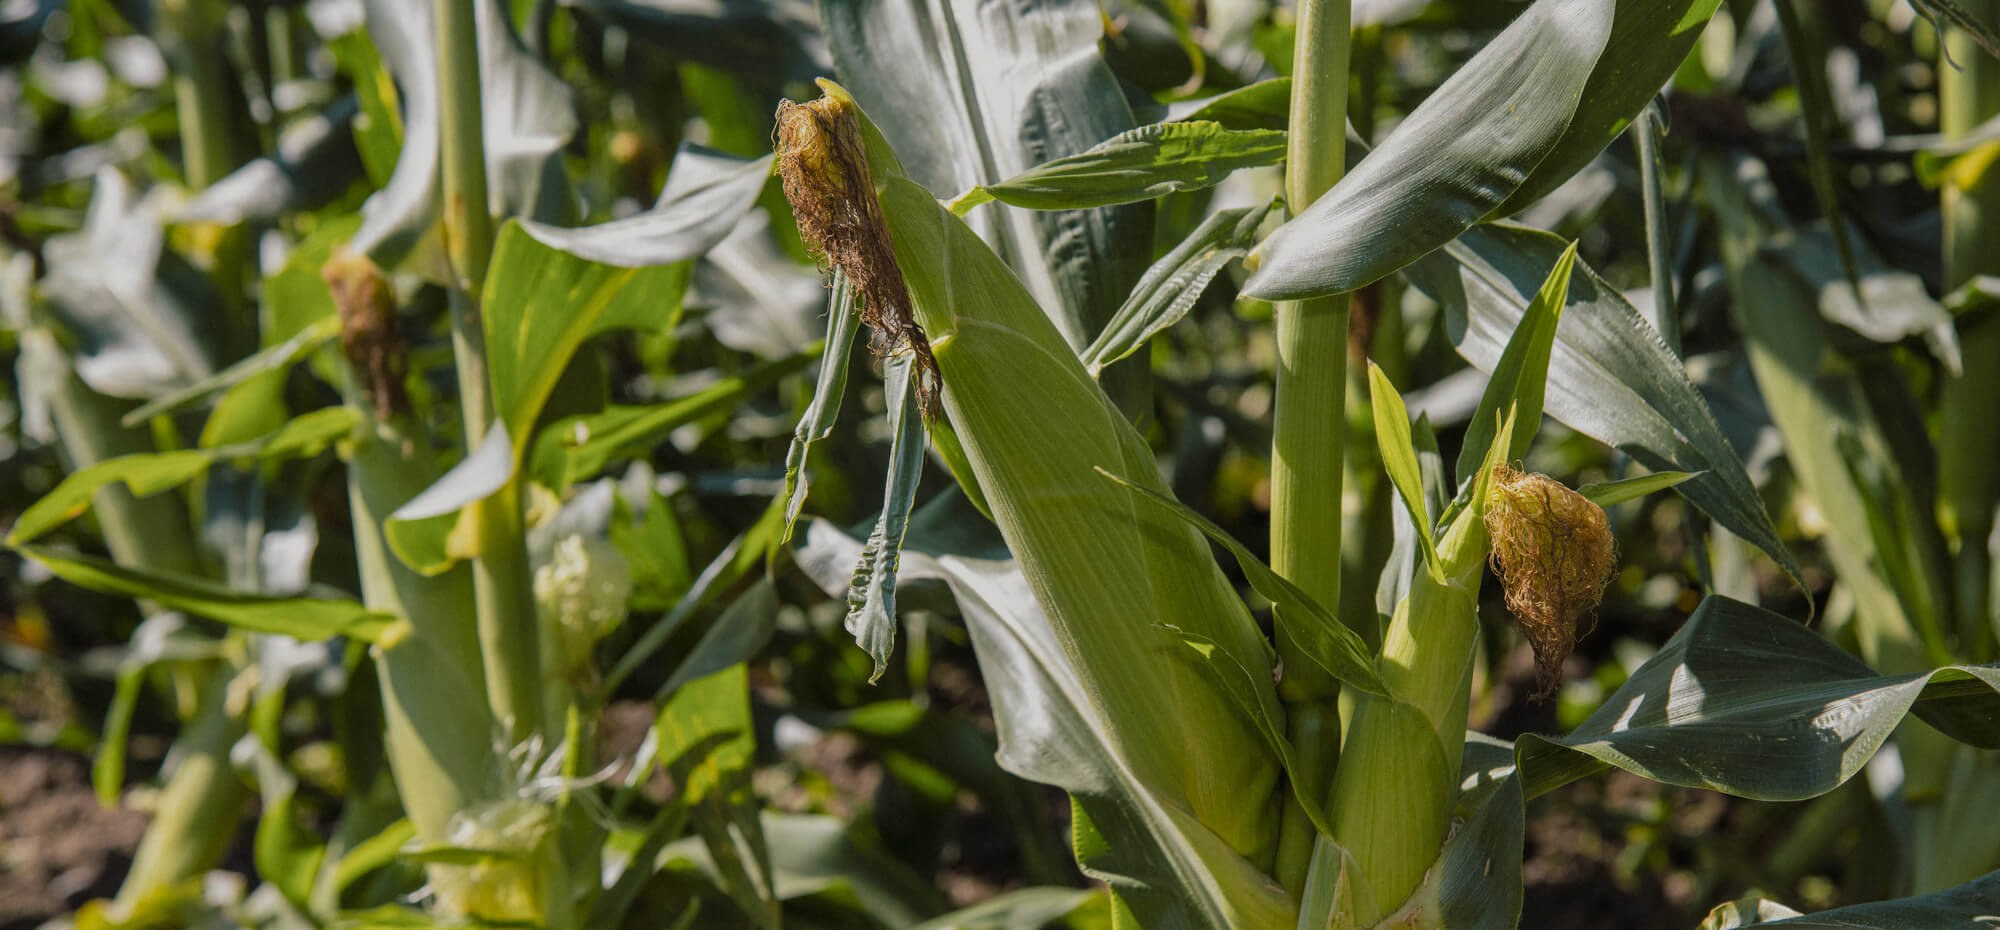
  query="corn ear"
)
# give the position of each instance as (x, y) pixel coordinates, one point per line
(1113, 572)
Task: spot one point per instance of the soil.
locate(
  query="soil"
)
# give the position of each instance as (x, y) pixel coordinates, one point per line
(58, 846)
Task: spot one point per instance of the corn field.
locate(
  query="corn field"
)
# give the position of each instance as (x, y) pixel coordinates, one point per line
(999, 464)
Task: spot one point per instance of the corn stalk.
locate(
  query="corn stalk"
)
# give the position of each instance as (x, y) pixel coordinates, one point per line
(1310, 422)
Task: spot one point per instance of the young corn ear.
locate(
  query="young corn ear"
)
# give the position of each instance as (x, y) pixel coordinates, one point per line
(1553, 552)
(1114, 574)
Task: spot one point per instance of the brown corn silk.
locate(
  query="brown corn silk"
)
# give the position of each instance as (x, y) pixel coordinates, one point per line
(824, 167)
(1554, 553)
(369, 335)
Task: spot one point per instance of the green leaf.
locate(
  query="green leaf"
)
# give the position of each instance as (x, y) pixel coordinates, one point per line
(871, 593)
(144, 474)
(1607, 493)
(1753, 704)
(1610, 375)
(276, 358)
(708, 742)
(107, 769)
(1529, 110)
(706, 195)
(150, 473)
(1171, 287)
(1158, 860)
(1939, 11)
(1969, 905)
(527, 115)
(1399, 459)
(1138, 164)
(574, 449)
(540, 305)
(372, 853)
(1264, 105)
(1323, 638)
(302, 618)
(1021, 909)
(816, 423)
(1520, 380)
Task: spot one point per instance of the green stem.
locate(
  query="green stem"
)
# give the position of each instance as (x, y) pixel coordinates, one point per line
(508, 635)
(439, 733)
(1969, 95)
(1310, 425)
(197, 811)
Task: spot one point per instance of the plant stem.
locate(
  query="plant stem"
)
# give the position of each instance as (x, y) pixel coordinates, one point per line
(508, 637)
(1969, 95)
(1310, 424)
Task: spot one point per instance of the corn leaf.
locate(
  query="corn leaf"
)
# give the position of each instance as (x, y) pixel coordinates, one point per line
(577, 448)
(1529, 110)
(871, 592)
(149, 473)
(1321, 637)
(1399, 459)
(527, 117)
(276, 358)
(1607, 493)
(303, 618)
(1966, 905)
(1170, 288)
(708, 742)
(705, 196)
(1610, 375)
(1161, 863)
(541, 303)
(1740, 700)
(1139, 164)
(1521, 378)
(1780, 714)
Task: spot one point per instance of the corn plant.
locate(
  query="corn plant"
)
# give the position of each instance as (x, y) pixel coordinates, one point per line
(530, 396)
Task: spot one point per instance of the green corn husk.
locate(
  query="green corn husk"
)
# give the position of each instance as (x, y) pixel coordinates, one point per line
(1397, 784)
(1113, 572)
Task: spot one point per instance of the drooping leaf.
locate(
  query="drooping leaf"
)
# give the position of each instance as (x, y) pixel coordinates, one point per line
(1138, 164)
(1969, 905)
(150, 473)
(1610, 375)
(1454, 161)
(305, 618)
(706, 194)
